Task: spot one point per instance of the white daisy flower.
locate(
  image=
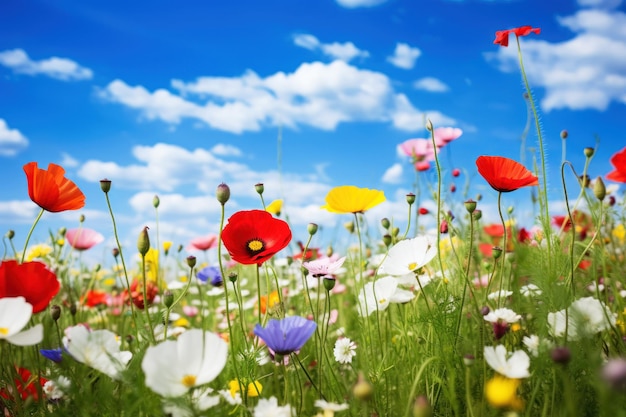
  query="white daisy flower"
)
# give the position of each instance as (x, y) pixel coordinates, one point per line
(345, 350)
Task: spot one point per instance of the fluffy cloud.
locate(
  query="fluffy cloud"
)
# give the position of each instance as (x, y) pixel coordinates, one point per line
(393, 174)
(11, 140)
(344, 51)
(353, 4)
(585, 72)
(431, 84)
(21, 211)
(226, 150)
(55, 67)
(319, 95)
(601, 4)
(408, 118)
(404, 56)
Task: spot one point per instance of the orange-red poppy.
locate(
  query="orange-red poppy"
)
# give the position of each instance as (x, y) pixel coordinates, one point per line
(254, 236)
(50, 190)
(502, 36)
(619, 163)
(504, 174)
(31, 280)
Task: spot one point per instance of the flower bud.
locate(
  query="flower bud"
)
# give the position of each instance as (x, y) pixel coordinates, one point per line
(588, 152)
(443, 227)
(156, 201)
(223, 193)
(614, 373)
(395, 231)
(456, 172)
(385, 223)
(421, 407)
(167, 245)
(312, 228)
(329, 251)
(168, 298)
(387, 240)
(470, 206)
(62, 231)
(73, 309)
(349, 226)
(329, 283)
(259, 188)
(561, 355)
(469, 359)
(115, 252)
(410, 198)
(452, 188)
(599, 189)
(423, 211)
(478, 214)
(55, 312)
(10, 234)
(81, 218)
(496, 251)
(510, 209)
(105, 185)
(484, 310)
(143, 242)
(564, 134)
(429, 125)
(232, 277)
(191, 261)
(362, 390)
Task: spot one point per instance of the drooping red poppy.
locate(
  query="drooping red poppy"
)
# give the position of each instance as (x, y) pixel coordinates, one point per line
(502, 36)
(26, 384)
(50, 190)
(136, 293)
(254, 236)
(504, 174)
(619, 162)
(31, 280)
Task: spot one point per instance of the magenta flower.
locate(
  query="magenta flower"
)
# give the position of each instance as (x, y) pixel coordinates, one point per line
(83, 239)
(204, 242)
(445, 135)
(324, 267)
(418, 149)
(286, 335)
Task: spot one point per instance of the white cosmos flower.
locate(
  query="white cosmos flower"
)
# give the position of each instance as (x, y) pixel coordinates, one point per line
(345, 350)
(332, 407)
(587, 316)
(270, 408)
(377, 295)
(98, 349)
(502, 315)
(174, 366)
(15, 313)
(511, 365)
(409, 255)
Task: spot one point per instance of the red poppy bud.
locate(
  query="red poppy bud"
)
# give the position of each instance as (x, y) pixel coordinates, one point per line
(456, 172)
(423, 211)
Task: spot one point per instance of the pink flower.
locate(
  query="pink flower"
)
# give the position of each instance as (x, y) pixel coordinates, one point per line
(83, 239)
(204, 242)
(445, 135)
(324, 267)
(418, 149)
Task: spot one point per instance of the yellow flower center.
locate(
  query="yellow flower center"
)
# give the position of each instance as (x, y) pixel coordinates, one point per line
(255, 245)
(382, 301)
(189, 381)
(4, 331)
(412, 266)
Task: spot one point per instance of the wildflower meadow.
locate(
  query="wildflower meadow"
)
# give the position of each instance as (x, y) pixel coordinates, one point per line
(473, 318)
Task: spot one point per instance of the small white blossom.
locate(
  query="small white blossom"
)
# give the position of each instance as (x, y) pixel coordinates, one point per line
(532, 344)
(55, 390)
(502, 315)
(511, 365)
(345, 350)
(270, 408)
(530, 290)
(499, 294)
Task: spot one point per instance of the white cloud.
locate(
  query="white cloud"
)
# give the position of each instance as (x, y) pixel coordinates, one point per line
(226, 150)
(393, 174)
(343, 51)
(352, 4)
(21, 211)
(68, 160)
(54, 67)
(408, 118)
(600, 4)
(585, 72)
(319, 95)
(404, 56)
(431, 84)
(11, 140)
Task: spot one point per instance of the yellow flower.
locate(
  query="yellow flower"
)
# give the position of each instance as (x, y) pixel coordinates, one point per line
(501, 392)
(620, 233)
(38, 251)
(253, 390)
(275, 207)
(351, 199)
(167, 246)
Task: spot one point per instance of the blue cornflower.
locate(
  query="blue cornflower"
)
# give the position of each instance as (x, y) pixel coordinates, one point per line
(286, 335)
(212, 274)
(55, 355)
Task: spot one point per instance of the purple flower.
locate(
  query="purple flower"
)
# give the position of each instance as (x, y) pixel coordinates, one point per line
(211, 274)
(287, 335)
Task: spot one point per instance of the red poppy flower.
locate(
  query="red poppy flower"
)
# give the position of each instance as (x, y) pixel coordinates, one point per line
(50, 190)
(619, 162)
(136, 293)
(31, 280)
(254, 236)
(502, 36)
(25, 384)
(504, 174)
(94, 298)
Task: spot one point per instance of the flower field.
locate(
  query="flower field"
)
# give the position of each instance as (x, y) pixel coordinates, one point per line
(473, 318)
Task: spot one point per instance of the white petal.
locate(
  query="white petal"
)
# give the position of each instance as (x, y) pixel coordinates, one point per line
(28, 337)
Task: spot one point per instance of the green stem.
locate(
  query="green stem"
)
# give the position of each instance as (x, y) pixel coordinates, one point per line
(145, 297)
(30, 232)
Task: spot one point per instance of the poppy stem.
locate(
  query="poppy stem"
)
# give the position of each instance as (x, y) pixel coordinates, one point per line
(30, 233)
(145, 297)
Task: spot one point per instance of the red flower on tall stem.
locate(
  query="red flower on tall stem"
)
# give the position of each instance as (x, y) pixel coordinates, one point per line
(26, 384)
(254, 236)
(31, 280)
(502, 36)
(50, 190)
(619, 162)
(504, 174)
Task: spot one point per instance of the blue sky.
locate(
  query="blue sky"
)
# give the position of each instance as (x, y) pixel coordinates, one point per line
(174, 99)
